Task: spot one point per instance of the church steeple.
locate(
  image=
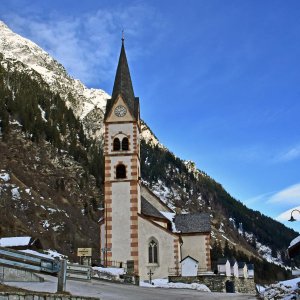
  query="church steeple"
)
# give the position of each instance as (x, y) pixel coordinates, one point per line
(123, 86)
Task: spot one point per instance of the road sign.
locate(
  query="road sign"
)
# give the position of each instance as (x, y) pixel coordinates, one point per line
(84, 252)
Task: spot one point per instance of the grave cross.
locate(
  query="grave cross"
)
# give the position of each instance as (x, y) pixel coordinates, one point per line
(150, 273)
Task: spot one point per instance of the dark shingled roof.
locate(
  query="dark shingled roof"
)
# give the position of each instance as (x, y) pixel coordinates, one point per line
(222, 261)
(123, 86)
(149, 210)
(188, 223)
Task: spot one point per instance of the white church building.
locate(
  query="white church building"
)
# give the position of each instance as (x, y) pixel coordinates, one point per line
(138, 227)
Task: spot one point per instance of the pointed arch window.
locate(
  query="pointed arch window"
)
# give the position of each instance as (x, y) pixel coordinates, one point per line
(120, 171)
(152, 252)
(116, 144)
(125, 144)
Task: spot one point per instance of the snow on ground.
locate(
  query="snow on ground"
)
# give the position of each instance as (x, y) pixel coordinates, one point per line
(293, 242)
(112, 271)
(51, 254)
(15, 193)
(286, 290)
(163, 283)
(4, 176)
(108, 273)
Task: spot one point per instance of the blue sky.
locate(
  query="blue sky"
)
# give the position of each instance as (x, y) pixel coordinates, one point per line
(218, 80)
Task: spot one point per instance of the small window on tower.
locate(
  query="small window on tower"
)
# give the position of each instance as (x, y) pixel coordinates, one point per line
(116, 145)
(120, 171)
(125, 144)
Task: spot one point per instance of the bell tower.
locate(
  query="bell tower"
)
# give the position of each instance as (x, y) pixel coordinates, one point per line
(119, 231)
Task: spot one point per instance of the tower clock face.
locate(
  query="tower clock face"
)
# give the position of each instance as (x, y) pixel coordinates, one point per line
(120, 111)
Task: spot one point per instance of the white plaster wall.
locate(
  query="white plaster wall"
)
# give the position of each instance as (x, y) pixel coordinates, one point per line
(163, 224)
(194, 246)
(114, 130)
(228, 269)
(121, 221)
(189, 267)
(153, 200)
(235, 270)
(221, 269)
(165, 250)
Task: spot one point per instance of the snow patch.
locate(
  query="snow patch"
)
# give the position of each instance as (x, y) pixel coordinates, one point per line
(163, 283)
(4, 176)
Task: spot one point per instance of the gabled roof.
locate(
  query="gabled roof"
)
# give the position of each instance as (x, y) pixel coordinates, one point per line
(123, 87)
(232, 261)
(157, 198)
(149, 210)
(190, 258)
(222, 261)
(250, 266)
(192, 223)
(241, 264)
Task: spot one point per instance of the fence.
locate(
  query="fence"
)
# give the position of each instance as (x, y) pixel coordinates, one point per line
(110, 263)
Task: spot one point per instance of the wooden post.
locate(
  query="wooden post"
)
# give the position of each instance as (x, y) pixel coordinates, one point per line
(62, 274)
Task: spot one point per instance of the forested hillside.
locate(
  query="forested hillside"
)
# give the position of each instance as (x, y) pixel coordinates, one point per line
(51, 175)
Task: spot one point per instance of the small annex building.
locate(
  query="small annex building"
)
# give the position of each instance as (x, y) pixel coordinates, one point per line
(189, 266)
(137, 228)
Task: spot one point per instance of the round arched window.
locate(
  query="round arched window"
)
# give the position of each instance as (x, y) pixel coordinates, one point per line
(116, 144)
(120, 171)
(125, 144)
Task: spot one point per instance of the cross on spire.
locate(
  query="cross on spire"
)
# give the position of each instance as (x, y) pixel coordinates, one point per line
(123, 36)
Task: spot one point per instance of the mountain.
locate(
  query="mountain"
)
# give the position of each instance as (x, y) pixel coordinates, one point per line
(55, 190)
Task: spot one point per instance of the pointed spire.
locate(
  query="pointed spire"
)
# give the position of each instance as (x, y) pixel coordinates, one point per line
(123, 87)
(123, 84)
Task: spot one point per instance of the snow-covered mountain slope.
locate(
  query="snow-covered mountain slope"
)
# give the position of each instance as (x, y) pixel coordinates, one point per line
(87, 104)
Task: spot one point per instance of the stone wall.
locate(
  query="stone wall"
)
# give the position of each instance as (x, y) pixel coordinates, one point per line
(40, 296)
(217, 283)
(11, 274)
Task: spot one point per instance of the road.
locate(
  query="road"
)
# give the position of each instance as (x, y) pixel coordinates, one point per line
(115, 291)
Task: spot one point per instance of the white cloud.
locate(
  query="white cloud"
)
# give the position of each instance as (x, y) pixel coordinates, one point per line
(258, 198)
(285, 216)
(289, 195)
(88, 45)
(291, 154)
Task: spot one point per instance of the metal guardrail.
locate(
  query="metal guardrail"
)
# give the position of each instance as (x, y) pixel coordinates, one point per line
(79, 272)
(22, 260)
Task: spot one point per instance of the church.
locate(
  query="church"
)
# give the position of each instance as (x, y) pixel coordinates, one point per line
(138, 228)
